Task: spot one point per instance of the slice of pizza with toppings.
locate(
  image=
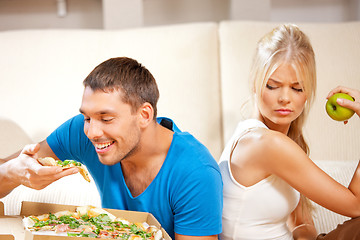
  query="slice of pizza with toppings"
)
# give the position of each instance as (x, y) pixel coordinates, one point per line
(49, 161)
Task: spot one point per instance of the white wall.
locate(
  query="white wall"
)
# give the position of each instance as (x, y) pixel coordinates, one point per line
(117, 14)
(159, 12)
(25, 14)
(311, 11)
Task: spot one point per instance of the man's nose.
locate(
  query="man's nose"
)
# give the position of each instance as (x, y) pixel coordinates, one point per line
(93, 130)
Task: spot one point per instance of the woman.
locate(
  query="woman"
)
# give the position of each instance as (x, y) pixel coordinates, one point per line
(265, 166)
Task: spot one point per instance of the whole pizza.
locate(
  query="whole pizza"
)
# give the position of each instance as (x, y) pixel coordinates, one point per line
(89, 221)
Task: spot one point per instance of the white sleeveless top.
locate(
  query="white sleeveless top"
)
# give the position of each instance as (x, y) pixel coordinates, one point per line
(259, 211)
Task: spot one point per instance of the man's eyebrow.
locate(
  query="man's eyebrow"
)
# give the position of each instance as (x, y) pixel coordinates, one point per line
(102, 112)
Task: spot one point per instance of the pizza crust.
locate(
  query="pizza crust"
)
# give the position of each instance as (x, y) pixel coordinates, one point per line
(49, 161)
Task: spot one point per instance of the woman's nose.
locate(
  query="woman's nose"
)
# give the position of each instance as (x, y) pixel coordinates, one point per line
(284, 96)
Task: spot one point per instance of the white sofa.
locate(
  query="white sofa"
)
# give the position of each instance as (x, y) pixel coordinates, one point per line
(202, 73)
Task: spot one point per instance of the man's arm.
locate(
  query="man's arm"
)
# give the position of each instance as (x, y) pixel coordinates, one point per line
(22, 168)
(198, 204)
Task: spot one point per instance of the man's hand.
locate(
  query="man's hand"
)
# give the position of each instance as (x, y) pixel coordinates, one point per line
(26, 170)
(347, 103)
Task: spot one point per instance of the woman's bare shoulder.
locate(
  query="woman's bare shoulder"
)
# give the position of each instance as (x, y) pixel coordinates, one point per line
(263, 137)
(261, 143)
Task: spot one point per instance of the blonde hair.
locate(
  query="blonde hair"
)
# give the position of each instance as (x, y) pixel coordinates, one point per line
(286, 44)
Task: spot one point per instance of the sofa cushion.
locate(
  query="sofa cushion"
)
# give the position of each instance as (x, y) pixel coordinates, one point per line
(43, 70)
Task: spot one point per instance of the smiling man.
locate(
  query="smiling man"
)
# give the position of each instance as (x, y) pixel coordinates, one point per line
(139, 162)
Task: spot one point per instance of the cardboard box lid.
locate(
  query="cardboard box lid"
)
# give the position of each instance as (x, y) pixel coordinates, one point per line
(36, 208)
(6, 237)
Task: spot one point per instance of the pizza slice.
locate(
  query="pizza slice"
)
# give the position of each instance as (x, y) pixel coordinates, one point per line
(49, 161)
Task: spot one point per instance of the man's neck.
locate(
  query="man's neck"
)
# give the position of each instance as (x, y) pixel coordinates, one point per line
(140, 169)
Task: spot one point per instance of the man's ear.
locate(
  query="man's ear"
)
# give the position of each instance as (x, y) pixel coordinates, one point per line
(146, 113)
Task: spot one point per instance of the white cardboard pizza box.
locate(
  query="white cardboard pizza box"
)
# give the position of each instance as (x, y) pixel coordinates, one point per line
(10, 226)
(35, 208)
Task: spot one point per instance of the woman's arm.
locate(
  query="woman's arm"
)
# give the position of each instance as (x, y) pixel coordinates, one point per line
(288, 161)
(264, 152)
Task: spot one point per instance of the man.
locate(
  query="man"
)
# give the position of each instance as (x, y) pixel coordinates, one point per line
(138, 162)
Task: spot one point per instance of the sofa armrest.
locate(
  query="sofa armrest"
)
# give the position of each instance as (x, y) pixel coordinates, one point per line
(12, 138)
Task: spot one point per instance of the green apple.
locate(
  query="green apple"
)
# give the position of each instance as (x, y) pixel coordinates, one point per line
(337, 112)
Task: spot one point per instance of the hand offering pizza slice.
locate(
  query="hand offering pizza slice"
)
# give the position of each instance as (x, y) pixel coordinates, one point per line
(89, 221)
(49, 161)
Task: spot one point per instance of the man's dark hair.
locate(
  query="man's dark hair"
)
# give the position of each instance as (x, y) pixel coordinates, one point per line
(136, 82)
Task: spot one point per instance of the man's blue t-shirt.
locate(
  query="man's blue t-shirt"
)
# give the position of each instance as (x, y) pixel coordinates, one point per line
(185, 196)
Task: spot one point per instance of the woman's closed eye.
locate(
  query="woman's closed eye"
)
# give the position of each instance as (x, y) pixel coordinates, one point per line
(298, 89)
(270, 87)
